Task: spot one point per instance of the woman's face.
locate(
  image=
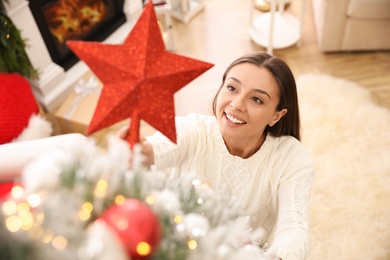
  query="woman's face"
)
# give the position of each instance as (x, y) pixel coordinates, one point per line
(247, 103)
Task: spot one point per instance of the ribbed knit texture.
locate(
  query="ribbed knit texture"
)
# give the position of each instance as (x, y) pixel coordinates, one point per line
(17, 105)
(276, 178)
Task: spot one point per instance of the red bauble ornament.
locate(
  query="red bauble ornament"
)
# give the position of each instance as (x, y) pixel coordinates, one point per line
(136, 226)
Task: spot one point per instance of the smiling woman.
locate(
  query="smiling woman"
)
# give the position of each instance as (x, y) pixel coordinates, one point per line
(246, 106)
(250, 150)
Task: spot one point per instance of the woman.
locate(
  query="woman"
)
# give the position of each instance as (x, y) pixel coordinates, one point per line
(251, 148)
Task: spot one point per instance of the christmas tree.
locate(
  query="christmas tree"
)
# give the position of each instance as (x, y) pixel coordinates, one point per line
(13, 57)
(89, 203)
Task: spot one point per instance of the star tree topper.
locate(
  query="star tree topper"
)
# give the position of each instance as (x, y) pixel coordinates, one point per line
(139, 78)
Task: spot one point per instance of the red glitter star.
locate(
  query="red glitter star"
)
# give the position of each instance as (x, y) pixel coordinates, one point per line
(139, 78)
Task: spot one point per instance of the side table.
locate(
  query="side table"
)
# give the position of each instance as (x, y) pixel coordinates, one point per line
(276, 29)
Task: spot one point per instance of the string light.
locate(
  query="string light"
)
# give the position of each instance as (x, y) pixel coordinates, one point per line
(23, 207)
(119, 199)
(150, 199)
(192, 244)
(36, 232)
(85, 211)
(17, 192)
(143, 249)
(197, 232)
(34, 200)
(13, 224)
(177, 219)
(196, 182)
(47, 236)
(9, 207)
(101, 188)
(39, 218)
(59, 243)
(27, 220)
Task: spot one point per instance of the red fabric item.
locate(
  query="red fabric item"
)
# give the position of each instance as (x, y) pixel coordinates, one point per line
(5, 189)
(17, 105)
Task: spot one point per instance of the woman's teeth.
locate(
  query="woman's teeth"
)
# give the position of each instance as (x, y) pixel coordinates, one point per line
(234, 120)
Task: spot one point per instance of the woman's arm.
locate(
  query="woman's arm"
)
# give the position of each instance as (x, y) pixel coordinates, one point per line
(146, 147)
(292, 234)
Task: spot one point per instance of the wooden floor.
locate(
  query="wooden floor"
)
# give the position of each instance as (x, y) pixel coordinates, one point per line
(220, 33)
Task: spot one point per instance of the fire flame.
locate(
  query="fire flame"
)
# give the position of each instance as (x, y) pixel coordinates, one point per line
(70, 19)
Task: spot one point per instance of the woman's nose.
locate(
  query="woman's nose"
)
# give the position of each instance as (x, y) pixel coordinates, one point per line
(238, 104)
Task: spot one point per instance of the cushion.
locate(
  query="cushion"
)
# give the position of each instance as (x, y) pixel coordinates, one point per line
(17, 105)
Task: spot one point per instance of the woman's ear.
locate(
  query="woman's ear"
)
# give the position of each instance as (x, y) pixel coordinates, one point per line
(278, 115)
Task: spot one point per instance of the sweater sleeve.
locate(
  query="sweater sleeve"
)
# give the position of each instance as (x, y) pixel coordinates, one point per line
(292, 234)
(168, 154)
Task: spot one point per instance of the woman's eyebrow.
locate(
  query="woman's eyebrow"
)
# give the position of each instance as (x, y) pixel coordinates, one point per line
(263, 92)
(235, 79)
(256, 90)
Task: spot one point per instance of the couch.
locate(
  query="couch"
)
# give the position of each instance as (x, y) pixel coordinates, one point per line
(352, 25)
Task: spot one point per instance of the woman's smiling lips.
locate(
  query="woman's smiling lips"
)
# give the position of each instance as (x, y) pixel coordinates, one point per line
(234, 120)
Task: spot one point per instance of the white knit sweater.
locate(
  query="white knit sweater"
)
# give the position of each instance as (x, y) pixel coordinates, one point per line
(273, 185)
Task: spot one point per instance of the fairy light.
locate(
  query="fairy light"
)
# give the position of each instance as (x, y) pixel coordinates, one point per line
(9, 207)
(85, 211)
(200, 201)
(197, 231)
(59, 243)
(34, 200)
(196, 182)
(47, 236)
(36, 232)
(150, 199)
(23, 207)
(84, 215)
(27, 220)
(143, 249)
(17, 192)
(101, 188)
(180, 227)
(192, 244)
(13, 223)
(119, 199)
(177, 219)
(39, 218)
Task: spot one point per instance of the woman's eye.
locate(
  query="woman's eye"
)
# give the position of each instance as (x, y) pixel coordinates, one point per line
(257, 100)
(231, 88)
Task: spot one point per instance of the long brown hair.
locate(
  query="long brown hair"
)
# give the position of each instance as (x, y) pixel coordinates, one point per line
(289, 124)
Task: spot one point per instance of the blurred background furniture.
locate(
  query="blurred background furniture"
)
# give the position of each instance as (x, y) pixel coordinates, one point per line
(163, 9)
(185, 10)
(276, 29)
(352, 25)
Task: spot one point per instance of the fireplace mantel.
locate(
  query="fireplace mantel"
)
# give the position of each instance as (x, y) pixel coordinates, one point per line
(54, 82)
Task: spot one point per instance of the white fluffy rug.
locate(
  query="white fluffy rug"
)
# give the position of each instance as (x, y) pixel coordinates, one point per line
(349, 138)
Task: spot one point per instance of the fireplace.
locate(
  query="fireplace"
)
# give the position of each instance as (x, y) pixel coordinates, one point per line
(55, 83)
(62, 20)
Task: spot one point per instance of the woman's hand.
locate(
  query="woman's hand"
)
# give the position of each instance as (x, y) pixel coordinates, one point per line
(146, 147)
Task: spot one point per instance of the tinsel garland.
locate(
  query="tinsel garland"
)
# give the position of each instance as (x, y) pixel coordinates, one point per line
(65, 193)
(13, 57)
